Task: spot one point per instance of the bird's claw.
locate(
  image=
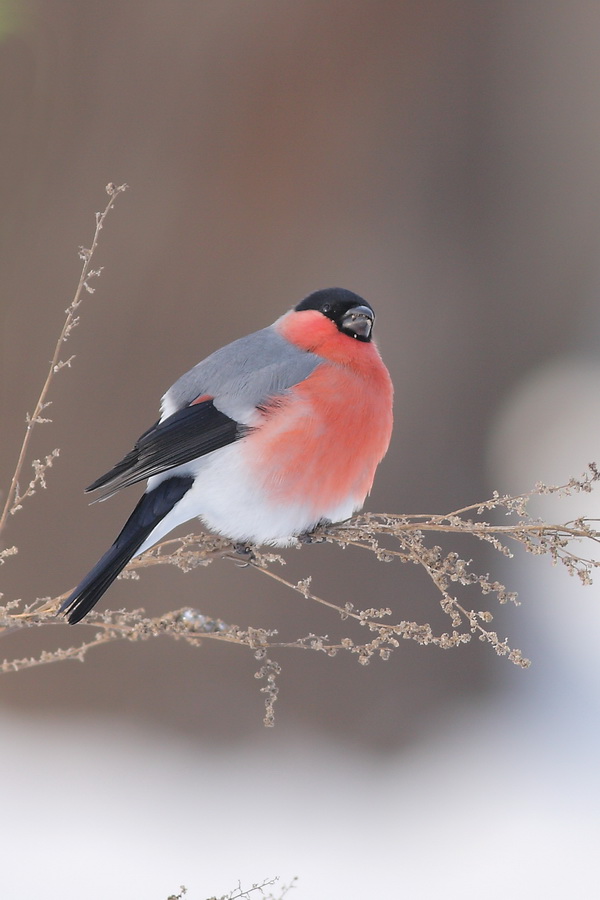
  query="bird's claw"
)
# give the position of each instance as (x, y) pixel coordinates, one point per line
(311, 537)
(243, 554)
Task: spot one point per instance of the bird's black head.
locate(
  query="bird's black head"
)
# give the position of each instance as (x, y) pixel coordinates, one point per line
(352, 315)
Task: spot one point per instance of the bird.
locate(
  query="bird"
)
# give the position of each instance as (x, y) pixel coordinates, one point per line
(268, 437)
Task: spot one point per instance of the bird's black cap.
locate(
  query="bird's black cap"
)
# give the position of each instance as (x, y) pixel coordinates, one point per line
(337, 304)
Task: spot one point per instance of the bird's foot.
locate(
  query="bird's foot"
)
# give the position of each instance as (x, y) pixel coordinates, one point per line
(315, 536)
(242, 554)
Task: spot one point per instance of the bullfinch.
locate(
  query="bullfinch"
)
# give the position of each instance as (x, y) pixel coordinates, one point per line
(262, 441)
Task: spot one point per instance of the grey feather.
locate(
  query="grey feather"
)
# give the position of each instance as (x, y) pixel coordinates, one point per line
(243, 375)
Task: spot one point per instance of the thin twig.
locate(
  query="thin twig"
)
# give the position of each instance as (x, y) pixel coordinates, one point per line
(11, 504)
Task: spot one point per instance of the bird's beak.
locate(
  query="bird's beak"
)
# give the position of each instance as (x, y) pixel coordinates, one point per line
(358, 321)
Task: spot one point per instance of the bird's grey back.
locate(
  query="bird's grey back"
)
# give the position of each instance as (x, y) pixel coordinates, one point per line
(243, 374)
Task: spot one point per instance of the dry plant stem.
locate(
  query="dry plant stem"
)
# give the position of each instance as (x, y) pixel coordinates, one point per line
(363, 532)
(446, 570)
(240, 893)
(12, 503)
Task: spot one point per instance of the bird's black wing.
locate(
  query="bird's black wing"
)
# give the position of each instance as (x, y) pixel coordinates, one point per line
(187, 434)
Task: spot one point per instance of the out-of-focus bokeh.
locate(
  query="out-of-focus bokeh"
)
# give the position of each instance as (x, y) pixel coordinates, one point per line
(440, 158)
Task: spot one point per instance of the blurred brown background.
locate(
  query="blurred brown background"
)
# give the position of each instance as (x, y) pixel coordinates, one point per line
(440, 158)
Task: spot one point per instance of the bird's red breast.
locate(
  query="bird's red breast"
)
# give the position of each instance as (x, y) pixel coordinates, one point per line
(323, 440)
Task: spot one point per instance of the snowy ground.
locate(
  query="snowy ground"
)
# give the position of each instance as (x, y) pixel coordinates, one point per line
(498, 803)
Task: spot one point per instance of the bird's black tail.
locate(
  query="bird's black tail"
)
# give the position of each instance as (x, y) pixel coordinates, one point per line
(152, 507)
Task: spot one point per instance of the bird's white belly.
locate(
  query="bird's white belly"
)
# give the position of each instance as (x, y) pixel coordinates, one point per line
(232, 502)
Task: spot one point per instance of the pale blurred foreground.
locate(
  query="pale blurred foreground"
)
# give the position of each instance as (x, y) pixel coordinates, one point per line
(495, 803)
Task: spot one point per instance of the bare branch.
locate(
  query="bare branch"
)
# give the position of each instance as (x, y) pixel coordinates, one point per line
(13, 497)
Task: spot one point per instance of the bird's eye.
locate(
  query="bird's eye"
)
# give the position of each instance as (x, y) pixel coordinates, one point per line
(326, 308)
